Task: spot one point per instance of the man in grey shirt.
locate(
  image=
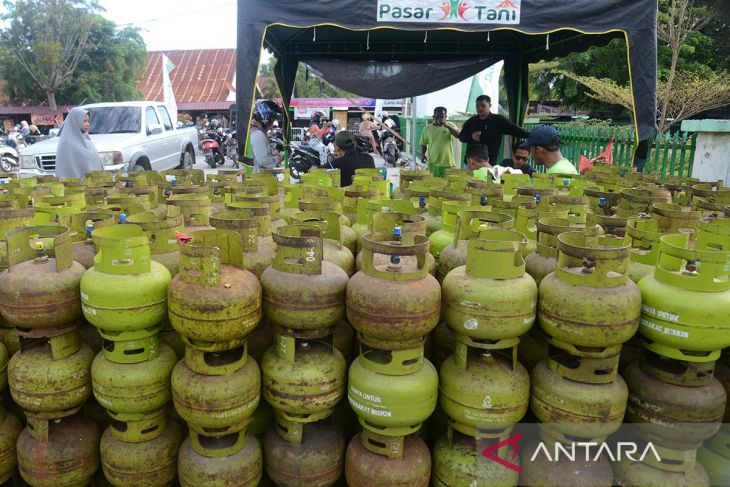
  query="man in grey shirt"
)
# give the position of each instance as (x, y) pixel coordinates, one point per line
(264, 114)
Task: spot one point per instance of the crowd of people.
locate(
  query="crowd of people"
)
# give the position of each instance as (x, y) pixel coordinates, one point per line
(23, 134)
(482, 134)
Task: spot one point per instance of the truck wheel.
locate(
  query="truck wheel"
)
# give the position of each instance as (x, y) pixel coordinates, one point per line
(187, 160)
(7, 164)
(142, 164)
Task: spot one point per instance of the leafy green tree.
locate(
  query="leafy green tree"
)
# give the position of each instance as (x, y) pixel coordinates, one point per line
(693, 43)
(306, 85)
(691, 93)
(48, 39)
(549, 83)
(111, 70)
(88, 60)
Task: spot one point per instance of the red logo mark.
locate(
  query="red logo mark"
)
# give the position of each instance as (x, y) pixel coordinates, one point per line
(512, 440)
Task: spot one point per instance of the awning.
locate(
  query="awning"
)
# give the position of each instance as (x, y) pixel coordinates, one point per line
(402, 48)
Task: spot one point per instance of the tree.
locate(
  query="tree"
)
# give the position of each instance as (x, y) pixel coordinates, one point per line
(49, 38)
(691, 93)
(692, 73)
(704, 50)
(108, 72)
(549, 83)
(306, 84)
(677, 21)
(604, 90)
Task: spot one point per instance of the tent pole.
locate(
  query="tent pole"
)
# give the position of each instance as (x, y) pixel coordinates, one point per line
(414, 125)
(516, 116)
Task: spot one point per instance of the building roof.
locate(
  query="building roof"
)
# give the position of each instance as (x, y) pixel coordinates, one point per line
(205, 105)
(33, 110)
(200, 75)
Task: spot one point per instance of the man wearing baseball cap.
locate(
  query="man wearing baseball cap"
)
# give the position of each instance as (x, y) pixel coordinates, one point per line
(544, 144)
(347, 157)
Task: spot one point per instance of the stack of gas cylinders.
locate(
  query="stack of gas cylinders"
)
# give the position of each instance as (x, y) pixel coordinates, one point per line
(49, 375)
(393, 302)
(232, 329)
(124, 295)
(214, 303)
(304, 373)
(488, 303)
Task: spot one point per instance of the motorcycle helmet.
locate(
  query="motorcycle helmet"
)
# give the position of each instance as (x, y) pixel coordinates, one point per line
(336, 124)
(266, 111)
(390, 123)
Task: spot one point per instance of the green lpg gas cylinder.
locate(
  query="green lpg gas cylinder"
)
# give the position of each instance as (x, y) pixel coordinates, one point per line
(213, 298)
(469, 224)
(686, 303)
(491, 297)
(392, 392)
(300, 289)
(303, 376)
(482, 391)
(589, 300)
(125, 293)
(393, 305)
(40, 289)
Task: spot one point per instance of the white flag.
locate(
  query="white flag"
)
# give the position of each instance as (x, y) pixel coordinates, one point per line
(167, 66)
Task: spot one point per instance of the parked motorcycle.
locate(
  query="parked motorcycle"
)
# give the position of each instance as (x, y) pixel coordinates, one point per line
(329, 136)
(362, 144)
(276, 139)
(390, 150)
(303, 158)
(8, 158)
(212, 148)
(230, 144)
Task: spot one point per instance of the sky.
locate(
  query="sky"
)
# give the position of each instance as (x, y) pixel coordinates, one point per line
(181, 24)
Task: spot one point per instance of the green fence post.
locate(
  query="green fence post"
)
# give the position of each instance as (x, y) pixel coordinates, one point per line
(692, 149)
(661, 142)
(678, 144)
(665, 156)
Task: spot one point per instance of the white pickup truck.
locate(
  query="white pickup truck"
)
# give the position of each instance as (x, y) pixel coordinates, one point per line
(130, 136)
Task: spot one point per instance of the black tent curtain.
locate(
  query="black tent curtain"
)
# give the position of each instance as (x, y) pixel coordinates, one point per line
(396, 79)
(350, 44)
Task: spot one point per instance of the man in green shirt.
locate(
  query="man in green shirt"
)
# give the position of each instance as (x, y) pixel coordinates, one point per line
(544, 144)
(437, 150)
(477, 159)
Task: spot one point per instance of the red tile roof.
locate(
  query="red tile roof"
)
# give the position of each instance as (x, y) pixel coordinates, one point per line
(33, 110)
(200, 75)
(205, 105)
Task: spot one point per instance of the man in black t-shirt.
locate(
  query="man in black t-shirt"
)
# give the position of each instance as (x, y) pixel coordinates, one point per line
(487, 128)
(348, 158)
(520, 159)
